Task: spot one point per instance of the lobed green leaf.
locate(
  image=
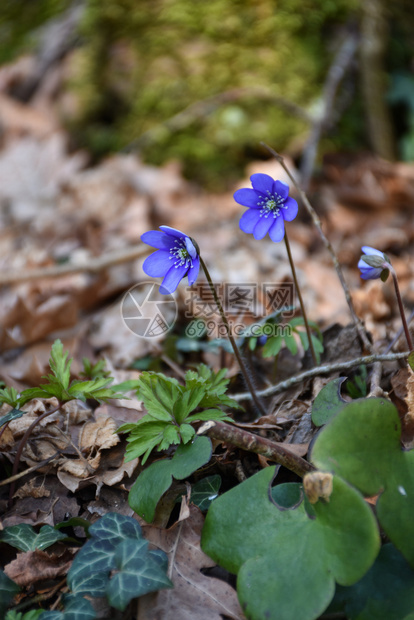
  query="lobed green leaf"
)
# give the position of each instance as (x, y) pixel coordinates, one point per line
(362, 445)
(25, 538)
(275, 552)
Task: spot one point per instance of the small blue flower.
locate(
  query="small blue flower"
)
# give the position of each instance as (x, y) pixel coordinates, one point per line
(269, 206)
(374, 265)
(176, 258)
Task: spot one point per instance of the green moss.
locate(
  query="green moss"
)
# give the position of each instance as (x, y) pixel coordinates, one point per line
(143, 63)
(18, 19)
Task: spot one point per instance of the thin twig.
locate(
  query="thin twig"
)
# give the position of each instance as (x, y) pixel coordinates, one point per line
(322, 370)
(22, 444)
(328, 246)
(29, 471)
(398, 334)
(94, 265)
(254, 443)
(175, 367)
(41, 597)
(375, 389)
(336, 72)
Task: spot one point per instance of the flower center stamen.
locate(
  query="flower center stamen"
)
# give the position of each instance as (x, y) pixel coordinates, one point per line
(271, 205)
(180, 255)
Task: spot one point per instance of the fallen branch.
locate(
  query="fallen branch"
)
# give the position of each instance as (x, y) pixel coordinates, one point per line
(254, 443)
(94, 265)
(342, 61)
(322, 370)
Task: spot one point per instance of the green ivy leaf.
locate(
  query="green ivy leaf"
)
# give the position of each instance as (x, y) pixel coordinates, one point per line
(116, 562)
(276, 552)
(205, 491)
(12, 415)
(154, 481)
(8, 590)
(25, 538)
(328, 402)
(139, 572)
(362, 445)
(75, 608)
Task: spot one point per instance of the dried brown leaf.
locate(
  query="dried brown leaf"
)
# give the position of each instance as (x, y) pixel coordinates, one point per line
(98, 435)
(33, 566)
(195, 596)
(32, 489)
(81, 468)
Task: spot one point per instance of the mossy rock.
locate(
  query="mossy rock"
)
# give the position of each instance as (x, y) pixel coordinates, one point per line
(142, 63)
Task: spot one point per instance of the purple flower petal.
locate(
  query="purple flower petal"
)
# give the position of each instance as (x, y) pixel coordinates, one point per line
(249, 220)
(193, 271)
(277, 231)
(172, 279)
(369, 251)
(190, 247)
(262, 183)
(291, 209)
(262, 227)
(372, 273)
(157, 239)
(157, 264)
(247, 197)
(173, 232)
(281, 189)
(368, 272)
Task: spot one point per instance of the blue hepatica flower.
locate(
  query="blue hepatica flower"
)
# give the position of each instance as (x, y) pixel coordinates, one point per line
(269, 206)
(374, 264)
(176, 258)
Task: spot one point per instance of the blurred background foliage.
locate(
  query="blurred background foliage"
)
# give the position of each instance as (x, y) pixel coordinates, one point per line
(139, 63)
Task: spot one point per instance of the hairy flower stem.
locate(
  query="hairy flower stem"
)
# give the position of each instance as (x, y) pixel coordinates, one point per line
(328, 246)
(254, 443)
(401, 307)
(21, 446)
(239, 358)
(305, 318)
